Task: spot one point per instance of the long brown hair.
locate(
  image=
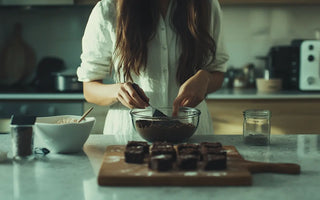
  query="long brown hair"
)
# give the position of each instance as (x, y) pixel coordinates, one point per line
(137, 21)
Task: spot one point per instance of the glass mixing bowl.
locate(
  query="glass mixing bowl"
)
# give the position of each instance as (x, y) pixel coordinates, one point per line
(172, 129)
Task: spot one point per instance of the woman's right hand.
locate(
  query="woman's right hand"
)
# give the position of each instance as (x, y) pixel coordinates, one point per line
(130, 98)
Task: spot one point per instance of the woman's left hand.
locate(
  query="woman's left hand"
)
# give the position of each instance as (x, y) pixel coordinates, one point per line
(192, 92)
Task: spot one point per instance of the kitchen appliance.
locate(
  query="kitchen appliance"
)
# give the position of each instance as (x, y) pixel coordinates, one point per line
(67, 82)
(283, 63)
(309, 79)
(47, 67)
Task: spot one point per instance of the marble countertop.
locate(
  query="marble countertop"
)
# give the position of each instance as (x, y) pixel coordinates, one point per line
(74, 176)
(41, 96)
(254, 94)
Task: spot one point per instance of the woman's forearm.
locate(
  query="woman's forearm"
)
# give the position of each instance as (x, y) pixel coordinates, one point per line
(101, 94)
(214, 80)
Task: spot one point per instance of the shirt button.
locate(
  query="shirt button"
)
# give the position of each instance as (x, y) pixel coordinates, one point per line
(164, 47)
(162, 28)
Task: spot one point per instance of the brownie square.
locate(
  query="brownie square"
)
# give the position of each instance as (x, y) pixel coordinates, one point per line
(187, 162)
(211, 150)
(134, 154)
(144, 145)
(160, 162)
(215, 162)
(190, 151)
(211, 144)
(165, 151)
(161, 145)
(187, 145)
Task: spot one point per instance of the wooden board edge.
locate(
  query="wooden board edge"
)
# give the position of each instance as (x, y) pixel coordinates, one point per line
(164, 181)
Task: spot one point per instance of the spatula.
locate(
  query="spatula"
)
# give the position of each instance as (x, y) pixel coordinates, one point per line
(155, 112)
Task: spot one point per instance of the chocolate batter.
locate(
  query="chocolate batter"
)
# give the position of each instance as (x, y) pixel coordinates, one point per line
(170, 131)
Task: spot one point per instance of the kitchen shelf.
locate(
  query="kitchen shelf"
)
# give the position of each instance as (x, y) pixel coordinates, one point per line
(85, 2)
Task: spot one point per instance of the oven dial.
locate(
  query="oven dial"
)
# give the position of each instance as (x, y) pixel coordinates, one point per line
(311, 80)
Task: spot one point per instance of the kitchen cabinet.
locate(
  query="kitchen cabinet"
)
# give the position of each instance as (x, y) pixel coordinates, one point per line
(289, 116)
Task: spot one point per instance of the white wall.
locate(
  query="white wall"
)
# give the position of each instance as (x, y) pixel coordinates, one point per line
(249, 30)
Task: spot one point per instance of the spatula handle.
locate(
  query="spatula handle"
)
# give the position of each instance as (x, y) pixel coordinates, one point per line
(136, 88)
(282, 168)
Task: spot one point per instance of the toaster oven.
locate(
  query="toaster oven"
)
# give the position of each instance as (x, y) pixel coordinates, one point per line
(309, 75)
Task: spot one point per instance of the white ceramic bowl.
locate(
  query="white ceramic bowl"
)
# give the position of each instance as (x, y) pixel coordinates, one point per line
(63, 138)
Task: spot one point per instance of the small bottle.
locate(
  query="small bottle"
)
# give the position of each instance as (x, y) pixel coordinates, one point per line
(22, 137)
(256, 127)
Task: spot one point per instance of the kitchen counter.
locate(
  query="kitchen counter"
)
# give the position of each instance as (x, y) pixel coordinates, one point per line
(220, 94)
(74, 176)
(254, 94)
(41, 96)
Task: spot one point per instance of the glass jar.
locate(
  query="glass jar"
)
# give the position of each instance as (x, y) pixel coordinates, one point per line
(256, 127)
(22, 142)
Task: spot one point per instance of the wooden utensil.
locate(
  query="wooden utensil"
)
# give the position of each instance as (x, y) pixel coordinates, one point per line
(85, 114)
(115, 171)
(18, 59)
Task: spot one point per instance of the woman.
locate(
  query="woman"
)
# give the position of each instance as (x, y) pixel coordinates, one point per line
(172, 49)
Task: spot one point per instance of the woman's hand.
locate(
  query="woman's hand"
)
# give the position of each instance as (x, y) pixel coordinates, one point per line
(130, 98)
(195, 89)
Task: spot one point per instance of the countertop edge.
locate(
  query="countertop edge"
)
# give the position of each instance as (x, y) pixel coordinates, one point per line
(231, 94)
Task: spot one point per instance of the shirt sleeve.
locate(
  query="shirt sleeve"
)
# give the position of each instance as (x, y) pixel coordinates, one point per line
(216, 28)
(97, 46)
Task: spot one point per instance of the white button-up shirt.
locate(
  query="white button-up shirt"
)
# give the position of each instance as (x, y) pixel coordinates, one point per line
(159, 79)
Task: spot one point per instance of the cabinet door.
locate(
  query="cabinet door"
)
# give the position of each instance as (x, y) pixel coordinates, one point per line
(288, 116)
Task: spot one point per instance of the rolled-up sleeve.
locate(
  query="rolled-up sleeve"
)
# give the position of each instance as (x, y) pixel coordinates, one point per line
(97, 46)
(216, 26)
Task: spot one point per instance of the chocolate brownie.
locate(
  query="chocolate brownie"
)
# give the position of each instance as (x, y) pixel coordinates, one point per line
(187, 145)
(134, 154)
(187, 162)
(160, 162)
(158, 145)
(190, 151)
(211, 144)
(215, 162)
(211, 150)
(144, 145)
(164, 151)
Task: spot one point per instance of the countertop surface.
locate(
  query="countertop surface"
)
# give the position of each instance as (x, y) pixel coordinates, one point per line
(74, 176)
(254, 94)
(220, 94)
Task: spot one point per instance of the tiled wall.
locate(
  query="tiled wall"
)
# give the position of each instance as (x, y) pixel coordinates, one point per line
(52, 31)
(249, 30)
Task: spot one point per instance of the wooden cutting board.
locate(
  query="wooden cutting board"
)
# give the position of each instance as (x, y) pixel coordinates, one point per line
(17, 59)
(115, 171)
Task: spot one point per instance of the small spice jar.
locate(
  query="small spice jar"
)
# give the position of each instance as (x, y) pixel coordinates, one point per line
(256, 127)
(22, 133)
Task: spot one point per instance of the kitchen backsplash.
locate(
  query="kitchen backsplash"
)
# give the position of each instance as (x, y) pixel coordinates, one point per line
(249, 30)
